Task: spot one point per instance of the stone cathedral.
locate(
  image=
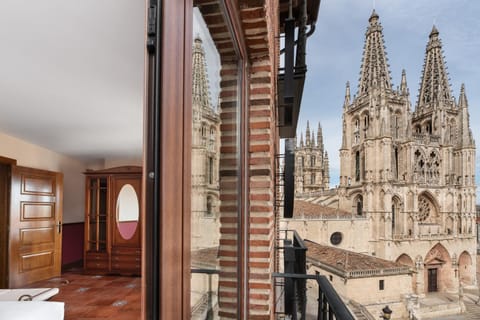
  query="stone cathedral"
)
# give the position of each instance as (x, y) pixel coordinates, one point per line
(205, 155)
(311, 163)
(407, 175)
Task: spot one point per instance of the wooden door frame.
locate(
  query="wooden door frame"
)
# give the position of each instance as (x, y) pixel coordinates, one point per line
(167, 162)
(166, 245)
(4, 221)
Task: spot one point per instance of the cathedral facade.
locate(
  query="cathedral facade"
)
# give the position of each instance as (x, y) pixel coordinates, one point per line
(409, 173)
(412, 174)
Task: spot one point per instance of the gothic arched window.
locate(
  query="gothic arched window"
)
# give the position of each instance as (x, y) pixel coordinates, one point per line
(210, 170)
(393, 218)
(212, 133)
(357, 166)
(209, 206)
(428, 127)
(356, 131)
(396, 125)
(359, 205)
(433, 168)
(419, 168)
(395, 162)
(396, 221)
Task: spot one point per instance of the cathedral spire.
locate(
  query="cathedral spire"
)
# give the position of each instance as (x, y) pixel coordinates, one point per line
(301, 139)
(462, 100)
(434, 84)
(200, 90)
(403, 84)
(466, 138)
(346, 103)
(319, 136)
(374, 71)
(307, 135)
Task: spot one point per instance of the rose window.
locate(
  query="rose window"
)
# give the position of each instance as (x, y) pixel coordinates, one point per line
(423, 209)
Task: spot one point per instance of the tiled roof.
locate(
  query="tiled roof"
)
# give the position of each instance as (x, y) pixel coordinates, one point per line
(351, 263)
(205, 258)
(306, 209)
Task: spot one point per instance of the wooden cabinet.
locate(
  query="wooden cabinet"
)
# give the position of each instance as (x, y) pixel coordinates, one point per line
(113, 221)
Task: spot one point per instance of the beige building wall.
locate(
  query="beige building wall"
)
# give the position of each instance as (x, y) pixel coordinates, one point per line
(353, 231)
(366, 291)
(34, 156)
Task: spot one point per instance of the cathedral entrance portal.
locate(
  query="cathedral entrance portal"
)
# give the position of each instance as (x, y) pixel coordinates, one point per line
(432, 280)
(439, 273)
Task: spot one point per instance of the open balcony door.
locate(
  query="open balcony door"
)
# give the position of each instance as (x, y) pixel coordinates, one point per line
(35, 236)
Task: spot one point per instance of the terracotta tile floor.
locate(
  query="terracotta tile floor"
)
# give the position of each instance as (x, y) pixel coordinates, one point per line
(89, 297)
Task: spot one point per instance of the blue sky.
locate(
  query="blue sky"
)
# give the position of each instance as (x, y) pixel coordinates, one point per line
(334, 54)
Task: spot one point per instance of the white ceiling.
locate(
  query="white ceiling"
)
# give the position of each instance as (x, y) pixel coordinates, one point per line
(71, 75)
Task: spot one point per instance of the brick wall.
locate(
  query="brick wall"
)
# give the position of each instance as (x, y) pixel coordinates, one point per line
(259, 22)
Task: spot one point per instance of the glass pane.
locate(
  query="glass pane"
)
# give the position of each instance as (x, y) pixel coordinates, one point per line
(92, 215)
(215, 165)
(103, 197)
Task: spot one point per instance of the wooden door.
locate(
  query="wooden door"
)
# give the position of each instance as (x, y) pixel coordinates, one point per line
(432, 280)
(35, 225)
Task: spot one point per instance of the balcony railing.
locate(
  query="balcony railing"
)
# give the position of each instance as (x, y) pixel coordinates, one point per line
(204, 307)
(294, 290)
(329, 303)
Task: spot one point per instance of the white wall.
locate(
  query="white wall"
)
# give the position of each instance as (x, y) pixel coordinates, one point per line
(355, 232)
(30, 155)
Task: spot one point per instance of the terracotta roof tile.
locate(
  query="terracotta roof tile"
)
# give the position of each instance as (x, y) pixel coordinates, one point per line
(346, 261)
(205, 258)
(306, 209)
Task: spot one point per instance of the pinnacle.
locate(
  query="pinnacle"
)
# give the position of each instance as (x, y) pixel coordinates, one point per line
(462, 100)
(434, 32)
(403, 84)
(373, 17)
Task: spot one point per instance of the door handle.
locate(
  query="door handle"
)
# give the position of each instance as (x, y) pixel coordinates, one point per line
(59, 226)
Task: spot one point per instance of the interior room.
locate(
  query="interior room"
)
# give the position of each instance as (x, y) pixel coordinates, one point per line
(71, 144)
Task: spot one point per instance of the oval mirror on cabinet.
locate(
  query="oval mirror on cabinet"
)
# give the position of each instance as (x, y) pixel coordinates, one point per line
(127, 211)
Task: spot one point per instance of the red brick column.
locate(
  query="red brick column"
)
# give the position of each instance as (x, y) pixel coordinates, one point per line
(230, 187)
(261, 34)
(261, 182)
